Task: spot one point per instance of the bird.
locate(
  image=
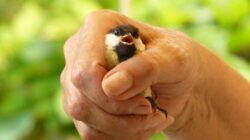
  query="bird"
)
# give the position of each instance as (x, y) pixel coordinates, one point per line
(122, 43)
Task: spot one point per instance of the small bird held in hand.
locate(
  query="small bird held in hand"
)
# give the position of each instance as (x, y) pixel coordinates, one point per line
(122, 43)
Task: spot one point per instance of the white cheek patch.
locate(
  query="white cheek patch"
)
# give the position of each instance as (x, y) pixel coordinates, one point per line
(111, 41)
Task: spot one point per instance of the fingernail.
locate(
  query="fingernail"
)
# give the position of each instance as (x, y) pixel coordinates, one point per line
(142, 110)
(117, 83)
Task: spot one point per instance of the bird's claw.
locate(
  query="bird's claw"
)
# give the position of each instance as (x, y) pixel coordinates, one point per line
(155, 106)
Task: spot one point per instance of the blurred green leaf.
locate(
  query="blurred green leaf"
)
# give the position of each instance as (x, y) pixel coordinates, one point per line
(211, 37)
(240, 39)
(239, 65)
(17, 126)
(58, 107)
(229, 12)
(28, 21)
(162, 13)
(32, 34)
(158, 136)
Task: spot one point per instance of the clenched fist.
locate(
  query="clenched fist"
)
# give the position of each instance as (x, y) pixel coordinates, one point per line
(187, 79)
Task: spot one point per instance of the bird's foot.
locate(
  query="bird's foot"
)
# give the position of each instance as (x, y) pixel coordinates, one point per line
(155, 106)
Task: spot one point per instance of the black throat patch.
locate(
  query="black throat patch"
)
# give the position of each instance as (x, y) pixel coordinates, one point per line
(125, 51)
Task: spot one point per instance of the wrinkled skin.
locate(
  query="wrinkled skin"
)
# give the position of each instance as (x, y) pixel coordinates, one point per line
(106, 105)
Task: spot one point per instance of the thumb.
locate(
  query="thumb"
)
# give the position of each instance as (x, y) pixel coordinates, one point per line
(155, 65)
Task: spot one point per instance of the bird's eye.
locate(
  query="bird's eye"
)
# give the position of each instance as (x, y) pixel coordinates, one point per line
(117, 32)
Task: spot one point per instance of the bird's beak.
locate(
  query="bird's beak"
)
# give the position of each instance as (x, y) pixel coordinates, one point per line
(127, 39)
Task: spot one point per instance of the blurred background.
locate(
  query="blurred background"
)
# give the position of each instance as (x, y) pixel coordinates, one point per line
(32, 34)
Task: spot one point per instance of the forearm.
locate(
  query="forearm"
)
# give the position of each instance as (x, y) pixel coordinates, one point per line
(231, 102)
(218, 105)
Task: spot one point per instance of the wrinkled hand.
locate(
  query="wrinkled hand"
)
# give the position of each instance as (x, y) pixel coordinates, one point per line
(106, 104)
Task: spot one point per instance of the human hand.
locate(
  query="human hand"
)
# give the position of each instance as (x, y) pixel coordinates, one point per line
(95, 114)
(169, 65)
(189, 81)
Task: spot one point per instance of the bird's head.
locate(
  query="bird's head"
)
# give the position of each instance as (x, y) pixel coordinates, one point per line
(121, 39)
(122, 34)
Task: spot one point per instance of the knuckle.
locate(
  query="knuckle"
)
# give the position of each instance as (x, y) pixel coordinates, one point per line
(69, 47)
(67, 44)
(70, 43)
(73, 108)
(180, 53)
(86, 73)
(77, 75)
(181, 47)
(77, 109)
(184, 58)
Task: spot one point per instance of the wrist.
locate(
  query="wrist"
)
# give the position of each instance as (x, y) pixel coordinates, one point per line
(219, 98)
(198, 110)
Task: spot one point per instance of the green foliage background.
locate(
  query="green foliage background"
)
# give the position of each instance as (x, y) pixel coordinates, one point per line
(32, 34)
